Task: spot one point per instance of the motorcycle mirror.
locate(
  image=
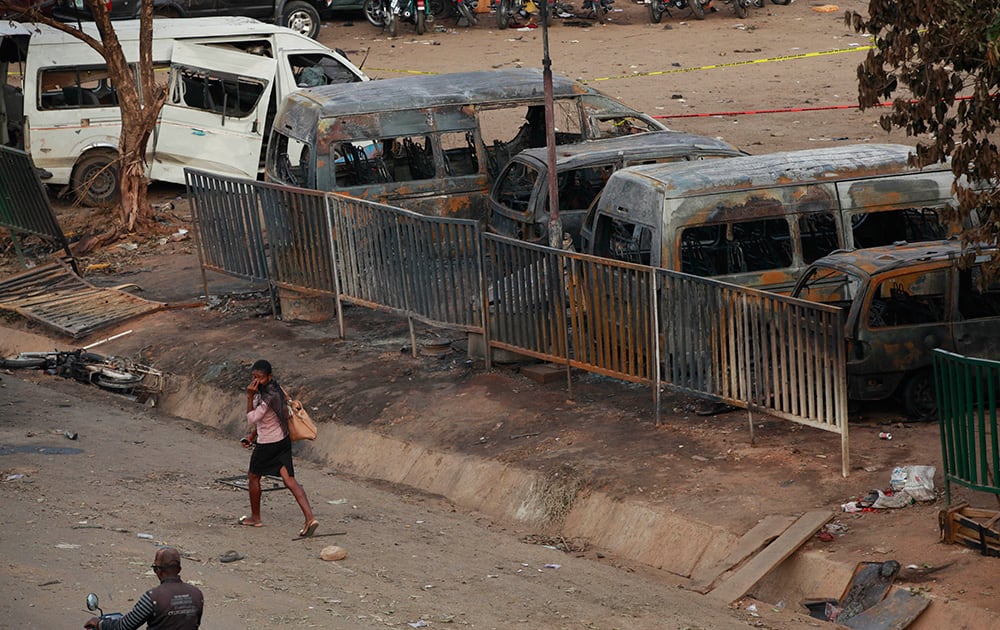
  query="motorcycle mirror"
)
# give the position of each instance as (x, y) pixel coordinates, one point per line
(92, 603)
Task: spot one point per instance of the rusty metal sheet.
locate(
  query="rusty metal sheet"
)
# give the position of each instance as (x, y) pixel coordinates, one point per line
(56, 297)
(896, 612)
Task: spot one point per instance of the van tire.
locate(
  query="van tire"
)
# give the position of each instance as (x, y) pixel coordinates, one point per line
(918, 396)
(95, 178)
(301, 17)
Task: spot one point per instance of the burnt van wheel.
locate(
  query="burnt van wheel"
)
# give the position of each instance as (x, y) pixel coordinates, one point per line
(95, 178)
(918, 396)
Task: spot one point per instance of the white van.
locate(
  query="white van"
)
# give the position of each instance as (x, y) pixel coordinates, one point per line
(225, 77)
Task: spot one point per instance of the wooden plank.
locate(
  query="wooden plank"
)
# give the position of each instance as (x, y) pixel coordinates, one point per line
(761, 534)
(895, 612)
(743, 579)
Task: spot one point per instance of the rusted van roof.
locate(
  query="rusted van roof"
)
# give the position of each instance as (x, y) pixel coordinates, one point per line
(873, 260)
(653, 144)
(418, 92)
(759, 171)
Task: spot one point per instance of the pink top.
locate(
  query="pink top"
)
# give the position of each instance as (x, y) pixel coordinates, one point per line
(268, 423)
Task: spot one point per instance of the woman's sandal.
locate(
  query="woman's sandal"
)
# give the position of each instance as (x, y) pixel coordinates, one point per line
(309, 530)
(246, 522)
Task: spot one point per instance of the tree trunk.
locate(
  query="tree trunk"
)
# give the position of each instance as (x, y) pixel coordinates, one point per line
(139, 102)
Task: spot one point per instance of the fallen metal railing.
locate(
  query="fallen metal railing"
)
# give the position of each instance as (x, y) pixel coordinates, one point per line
(24, 203)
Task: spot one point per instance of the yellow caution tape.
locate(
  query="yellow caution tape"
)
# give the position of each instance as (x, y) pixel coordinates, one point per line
(732, 64)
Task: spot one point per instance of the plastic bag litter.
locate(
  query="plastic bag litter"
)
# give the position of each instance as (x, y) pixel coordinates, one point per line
(916, 481)
(895, 500)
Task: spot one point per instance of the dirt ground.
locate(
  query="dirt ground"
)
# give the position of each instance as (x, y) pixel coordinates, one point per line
(86, 516)
(606, 436)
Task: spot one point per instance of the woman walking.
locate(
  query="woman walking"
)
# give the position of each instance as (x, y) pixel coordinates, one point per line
(272, 448)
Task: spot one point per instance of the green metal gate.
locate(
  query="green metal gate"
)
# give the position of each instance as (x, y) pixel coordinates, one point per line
(967, 395)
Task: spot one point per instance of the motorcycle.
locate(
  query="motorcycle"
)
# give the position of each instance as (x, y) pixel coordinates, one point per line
(94, 605)
(598, 8)
(417, 12)
(658, 7)
(375, 12)
(467, 9)
(380, 13)
(507, 9)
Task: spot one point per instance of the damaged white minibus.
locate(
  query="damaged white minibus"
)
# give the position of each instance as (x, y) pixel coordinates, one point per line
(225, 77)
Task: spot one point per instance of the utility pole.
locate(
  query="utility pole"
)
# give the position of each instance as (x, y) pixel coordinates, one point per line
(555, 221)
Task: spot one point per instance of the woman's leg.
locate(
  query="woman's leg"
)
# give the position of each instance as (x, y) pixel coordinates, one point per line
(253, 482)
(300, 496)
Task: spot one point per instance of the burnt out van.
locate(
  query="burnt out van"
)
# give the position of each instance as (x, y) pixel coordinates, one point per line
(519, 199)
(432, 144)
(759, 220)
(900, 303)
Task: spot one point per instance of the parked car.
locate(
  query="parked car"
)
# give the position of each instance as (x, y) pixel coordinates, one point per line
(299, 15)
(902, 301)
(519, 200)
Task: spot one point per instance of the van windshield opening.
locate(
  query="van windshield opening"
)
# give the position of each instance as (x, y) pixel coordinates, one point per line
(312, 70)
(509, 130)
(829, 286)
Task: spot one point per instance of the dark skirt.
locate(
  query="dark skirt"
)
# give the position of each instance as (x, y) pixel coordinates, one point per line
(267, 459)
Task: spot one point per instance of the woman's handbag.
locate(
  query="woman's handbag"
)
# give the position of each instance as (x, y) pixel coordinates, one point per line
(300, 425)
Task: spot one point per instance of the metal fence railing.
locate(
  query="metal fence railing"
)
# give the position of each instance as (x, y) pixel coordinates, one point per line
(424, 267)
(227, 225)
(748, 348)
(756, 350)
(752, 349)
(298, 238)
(24, 202)
(968, 392)
(612, 316)
(526, 298)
